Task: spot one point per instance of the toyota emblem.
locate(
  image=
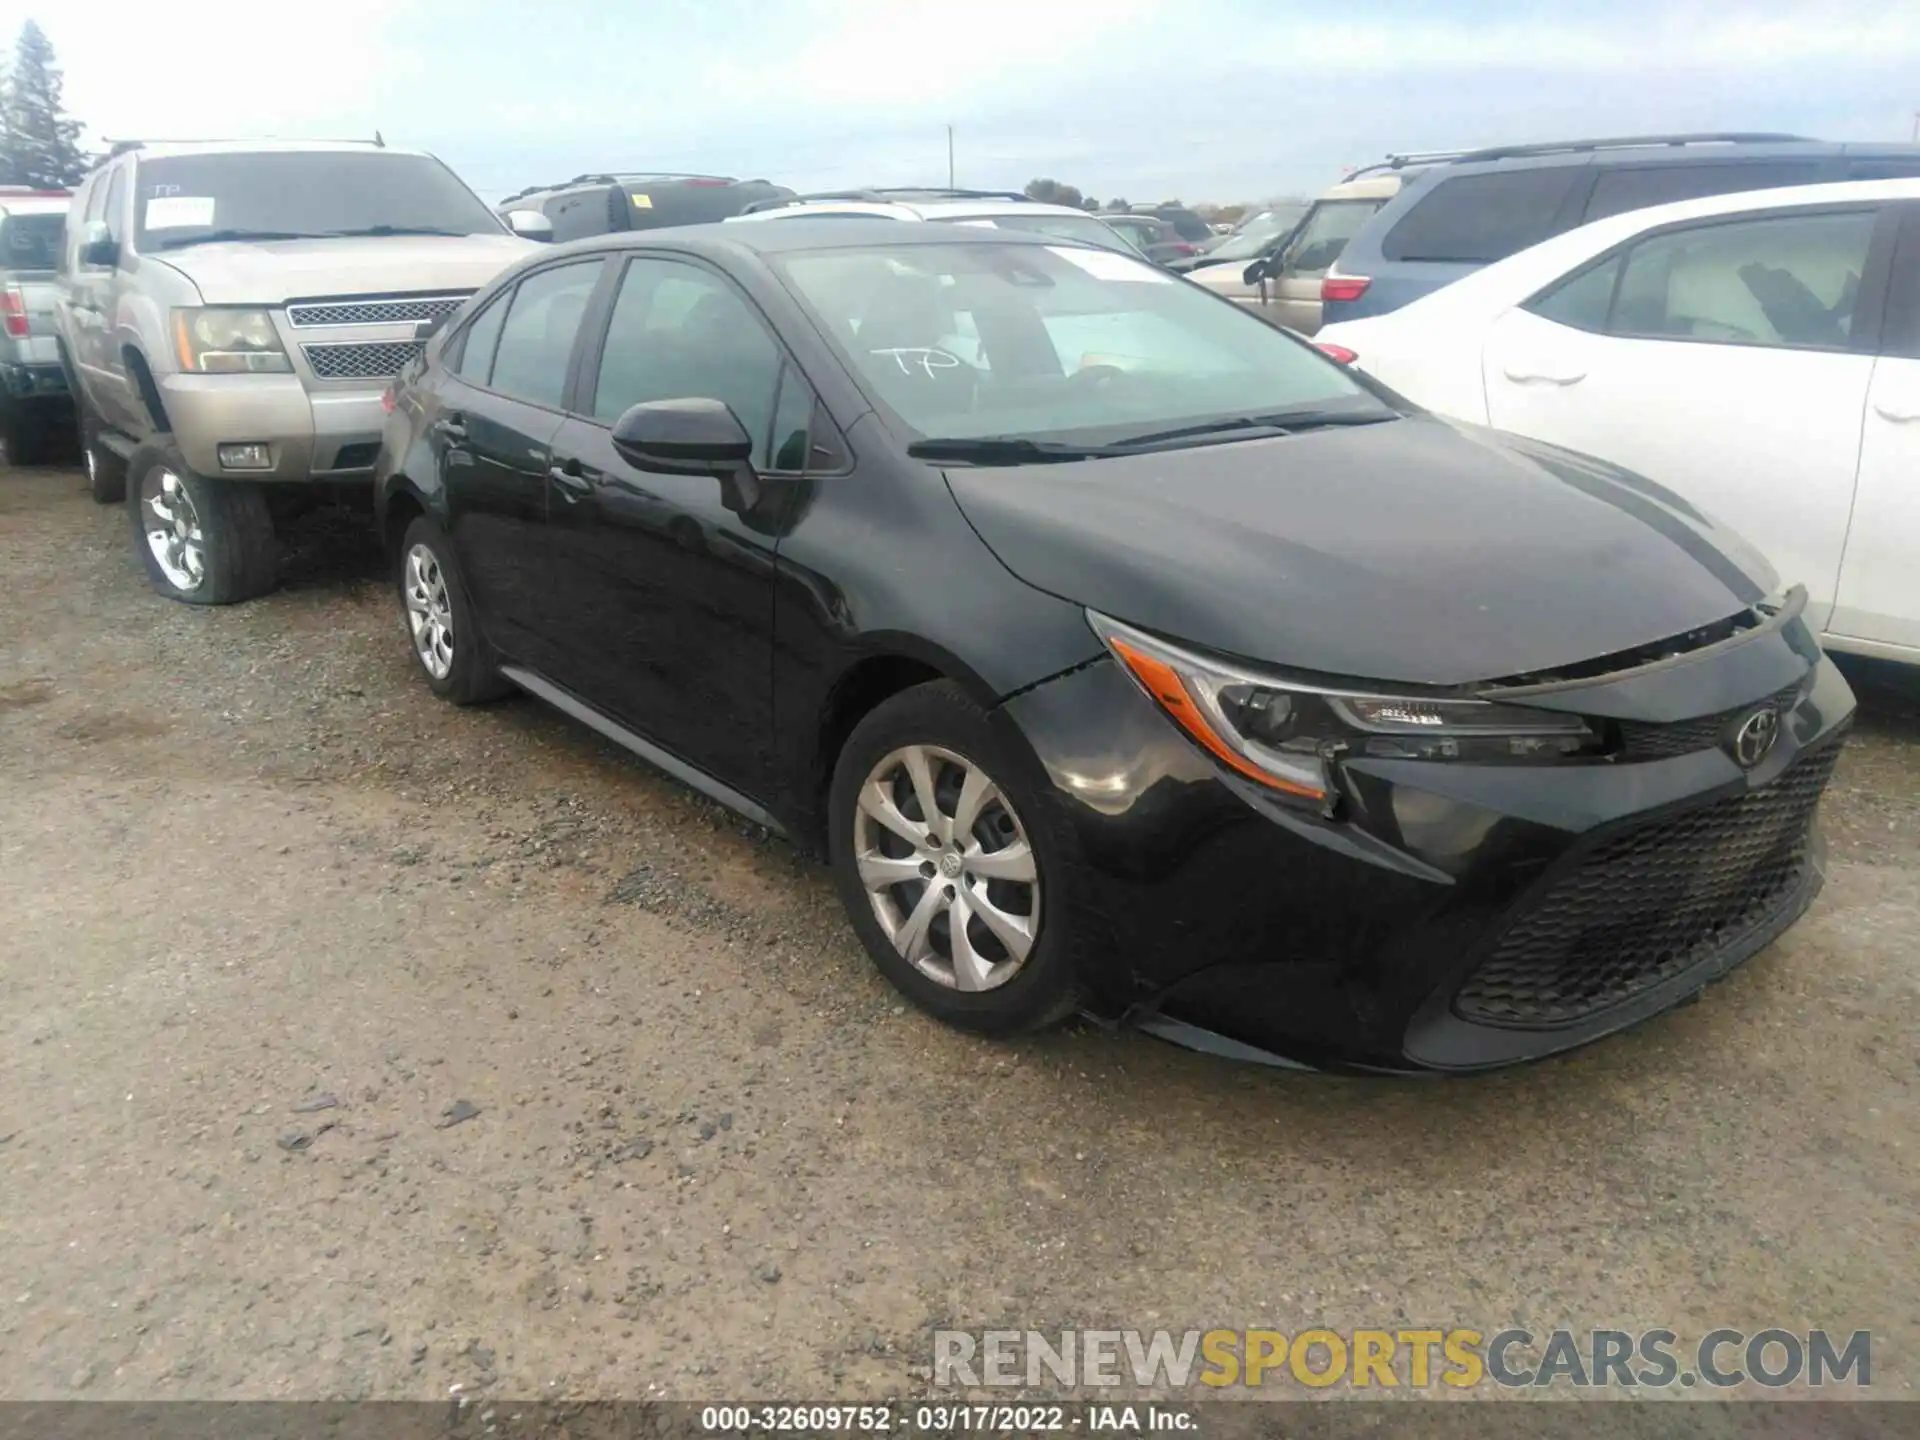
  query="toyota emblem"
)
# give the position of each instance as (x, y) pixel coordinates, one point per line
(1754, 739)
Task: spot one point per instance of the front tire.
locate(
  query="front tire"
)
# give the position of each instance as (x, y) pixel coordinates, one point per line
(203, 542)
(950, 865)
(452, 654)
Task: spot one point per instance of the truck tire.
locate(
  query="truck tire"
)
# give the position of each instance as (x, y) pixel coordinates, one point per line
(202, 541)
(106, 471)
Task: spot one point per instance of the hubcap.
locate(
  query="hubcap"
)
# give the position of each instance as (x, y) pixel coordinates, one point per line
(947, 867)
(172, 527)
(429, 612)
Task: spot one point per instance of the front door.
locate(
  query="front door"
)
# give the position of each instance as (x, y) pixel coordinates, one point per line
(668, 581)
(1879, 585)
(1717, 360)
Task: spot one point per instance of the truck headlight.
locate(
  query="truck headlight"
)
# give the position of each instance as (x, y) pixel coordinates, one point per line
(1288, 735)
(218, 340)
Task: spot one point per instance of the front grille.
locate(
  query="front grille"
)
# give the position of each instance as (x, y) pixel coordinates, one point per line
(1640, 740)
(1652, 904)
(370, 360)
(373, 312)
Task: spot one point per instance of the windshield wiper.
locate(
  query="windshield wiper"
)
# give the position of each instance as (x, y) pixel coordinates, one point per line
(1005, 450)
(1281, 422)
(215, 237)
(391, 230)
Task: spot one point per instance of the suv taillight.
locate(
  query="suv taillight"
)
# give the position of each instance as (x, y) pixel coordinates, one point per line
(13, 306)
(1344, 287)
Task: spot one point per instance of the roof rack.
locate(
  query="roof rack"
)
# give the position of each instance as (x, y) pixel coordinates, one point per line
(891, 194)
(121, 147)
(1568, 147)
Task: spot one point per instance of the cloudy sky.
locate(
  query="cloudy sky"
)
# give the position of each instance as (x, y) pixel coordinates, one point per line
(1204, 99)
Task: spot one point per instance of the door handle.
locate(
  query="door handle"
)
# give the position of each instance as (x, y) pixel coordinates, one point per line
(571, 479)
(451, 427)
(1896, 412)
(1532, 373)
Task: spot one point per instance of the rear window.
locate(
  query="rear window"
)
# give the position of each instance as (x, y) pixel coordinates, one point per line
(1477, 219)
(31, 242)
(1618, 190)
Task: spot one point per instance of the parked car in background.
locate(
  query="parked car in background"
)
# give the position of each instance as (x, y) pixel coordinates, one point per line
(1186, 223)
(986, 209)
(1118, 650)
(1283, 280)
(229, 314)
(1757, 355)
(1152, 237)
(36, 408)
(1472, 208)
(1248, 240)
(604, 204)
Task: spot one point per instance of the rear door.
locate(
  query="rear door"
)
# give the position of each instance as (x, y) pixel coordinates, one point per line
(1879, 599)
(1723, 359)
(495, 414)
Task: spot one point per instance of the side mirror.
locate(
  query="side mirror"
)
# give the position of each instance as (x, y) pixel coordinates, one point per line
(1255, 273)
(691, 436)
(530, 225)
(98, 247)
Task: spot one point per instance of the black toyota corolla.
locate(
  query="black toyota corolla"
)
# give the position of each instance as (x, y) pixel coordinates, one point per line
(1119, 651)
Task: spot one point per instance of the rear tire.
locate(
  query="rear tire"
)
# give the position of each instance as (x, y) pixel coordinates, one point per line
(202, 542)
(454, 658)
(967, 912)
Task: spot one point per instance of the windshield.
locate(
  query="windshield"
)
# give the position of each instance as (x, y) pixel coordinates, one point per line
(1257, 234)
(1049, 341)
(186, 199)
(31, 242)
(1085, 229)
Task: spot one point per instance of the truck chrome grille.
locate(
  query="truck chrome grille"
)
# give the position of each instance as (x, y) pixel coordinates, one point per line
(408, 310)
(360, 360)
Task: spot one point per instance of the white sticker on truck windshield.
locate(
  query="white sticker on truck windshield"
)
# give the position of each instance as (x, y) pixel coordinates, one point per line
(1108, 265)
(180, 212)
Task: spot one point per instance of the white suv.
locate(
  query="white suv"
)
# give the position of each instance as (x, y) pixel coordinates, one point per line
(999, 209)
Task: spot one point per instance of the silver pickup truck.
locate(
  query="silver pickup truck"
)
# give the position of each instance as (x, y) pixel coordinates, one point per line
(34, 404)
(230, 315)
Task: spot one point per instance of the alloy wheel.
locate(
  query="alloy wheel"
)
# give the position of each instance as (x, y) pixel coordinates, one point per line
(429, 611)
(948, 868)
(172, 527)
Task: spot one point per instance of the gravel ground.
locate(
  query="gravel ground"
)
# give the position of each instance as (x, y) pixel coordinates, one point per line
(355, 1045)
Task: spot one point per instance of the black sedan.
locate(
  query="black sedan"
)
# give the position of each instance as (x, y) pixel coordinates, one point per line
(1119, 651)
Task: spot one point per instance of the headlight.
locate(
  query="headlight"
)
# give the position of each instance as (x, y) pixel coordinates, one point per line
(1288, 735)
(228, 342)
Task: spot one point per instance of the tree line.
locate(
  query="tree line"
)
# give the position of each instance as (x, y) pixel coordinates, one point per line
(39, 142)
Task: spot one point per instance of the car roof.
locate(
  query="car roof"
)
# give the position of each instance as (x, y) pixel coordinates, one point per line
(911, 209)
(828, 232)
(167, 149)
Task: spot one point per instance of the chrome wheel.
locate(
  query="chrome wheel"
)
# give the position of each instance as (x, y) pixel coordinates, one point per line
(429, 612)
(92, 462)
(172, 527)
(948, 868)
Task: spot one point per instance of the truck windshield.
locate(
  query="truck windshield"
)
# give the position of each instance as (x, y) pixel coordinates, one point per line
(188, 199)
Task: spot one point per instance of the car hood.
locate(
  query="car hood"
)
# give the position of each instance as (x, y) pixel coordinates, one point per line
(270, 272)
(1415, 550)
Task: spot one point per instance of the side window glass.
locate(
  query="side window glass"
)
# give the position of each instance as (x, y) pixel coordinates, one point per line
(116, 187)
(787, 448)
(1790, 280)
(1477, 219)
(536, 341)
(1581, 300)
(477, 346)
(1325, 235)
(679, 331)
(1618, 190)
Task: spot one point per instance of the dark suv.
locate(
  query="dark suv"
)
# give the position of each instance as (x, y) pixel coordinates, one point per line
(604, 204)
(1468, 210)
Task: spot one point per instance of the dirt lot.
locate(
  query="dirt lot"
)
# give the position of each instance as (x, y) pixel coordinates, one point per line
(249, 864)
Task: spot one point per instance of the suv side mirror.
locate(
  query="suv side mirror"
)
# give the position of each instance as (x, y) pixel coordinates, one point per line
(97, 246)
(691, 436)
(530, 224)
